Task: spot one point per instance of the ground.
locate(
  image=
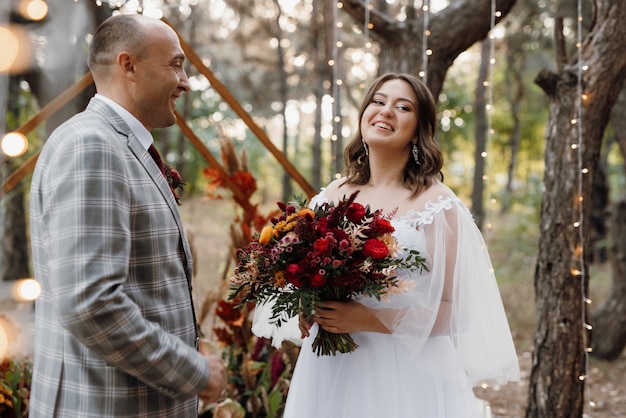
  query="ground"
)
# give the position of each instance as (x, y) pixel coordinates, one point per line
(605, 391)
(207, 225)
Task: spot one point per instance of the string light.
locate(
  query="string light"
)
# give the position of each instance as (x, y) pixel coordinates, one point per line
(334, 63)
(579, 225)
(426, 33)
(489, 106)
(366, 24)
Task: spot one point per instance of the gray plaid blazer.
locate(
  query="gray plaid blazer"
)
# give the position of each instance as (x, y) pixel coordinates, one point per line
(115, 326)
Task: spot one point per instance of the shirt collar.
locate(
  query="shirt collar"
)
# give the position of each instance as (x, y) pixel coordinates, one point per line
(144, 136)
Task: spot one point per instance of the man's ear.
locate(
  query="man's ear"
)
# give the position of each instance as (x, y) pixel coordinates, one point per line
(126, 63)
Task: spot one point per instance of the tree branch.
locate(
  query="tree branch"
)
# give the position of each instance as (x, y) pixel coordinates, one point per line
(559, 39)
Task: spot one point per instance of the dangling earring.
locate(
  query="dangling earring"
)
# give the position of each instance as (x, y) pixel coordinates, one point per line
(415, 153)
(367, 151)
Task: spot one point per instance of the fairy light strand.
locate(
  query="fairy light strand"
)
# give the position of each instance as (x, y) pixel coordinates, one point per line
(366, 24)
(335, 137)
(579, 225)
(491, 200)
(425, 34)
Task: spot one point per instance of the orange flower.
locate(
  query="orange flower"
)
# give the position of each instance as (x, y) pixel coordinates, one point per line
(266, 235)
(279, 278)
(306, 212)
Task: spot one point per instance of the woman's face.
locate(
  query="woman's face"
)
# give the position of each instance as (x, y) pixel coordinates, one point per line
(390, 119)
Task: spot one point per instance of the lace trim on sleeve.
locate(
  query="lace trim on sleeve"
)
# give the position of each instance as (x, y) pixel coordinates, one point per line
(431, 209)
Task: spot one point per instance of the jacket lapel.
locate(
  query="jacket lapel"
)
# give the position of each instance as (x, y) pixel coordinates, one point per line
(155, 173)
(152, 169)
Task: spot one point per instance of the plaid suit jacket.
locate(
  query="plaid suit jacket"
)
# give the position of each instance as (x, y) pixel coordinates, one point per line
(115, 326)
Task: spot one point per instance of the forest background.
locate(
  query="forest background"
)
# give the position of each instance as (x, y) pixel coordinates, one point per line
(298, 68)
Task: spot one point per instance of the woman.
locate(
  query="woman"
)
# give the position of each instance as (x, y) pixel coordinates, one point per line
(420, 352)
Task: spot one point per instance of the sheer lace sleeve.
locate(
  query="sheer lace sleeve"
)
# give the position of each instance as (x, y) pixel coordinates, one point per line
(458, 297)
(480, 329)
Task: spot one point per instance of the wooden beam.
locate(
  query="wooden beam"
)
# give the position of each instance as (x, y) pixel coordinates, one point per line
(206, 153)
(240, 111)
(57, 103)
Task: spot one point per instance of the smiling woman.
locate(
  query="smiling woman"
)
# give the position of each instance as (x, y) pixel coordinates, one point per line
(424, 348)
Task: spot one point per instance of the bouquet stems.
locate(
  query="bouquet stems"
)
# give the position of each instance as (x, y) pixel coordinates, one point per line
(326, 343)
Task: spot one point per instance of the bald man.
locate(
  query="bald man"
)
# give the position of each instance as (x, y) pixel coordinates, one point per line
(116, 332)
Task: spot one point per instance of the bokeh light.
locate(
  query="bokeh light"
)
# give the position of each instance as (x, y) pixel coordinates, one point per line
(33, 9)
(10, 46)
(26, 290)
(17, 49)
(14, 144)
(5, 335)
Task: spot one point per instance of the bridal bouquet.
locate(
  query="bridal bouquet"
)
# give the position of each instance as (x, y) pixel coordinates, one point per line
(330, 252)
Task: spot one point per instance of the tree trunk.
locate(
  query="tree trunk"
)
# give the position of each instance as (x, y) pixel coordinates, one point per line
(599, 201)
(609, 321)
(618, 120)
(287, 192)
(480, 133)
(558, 373)
(515, 95)
(317, 56)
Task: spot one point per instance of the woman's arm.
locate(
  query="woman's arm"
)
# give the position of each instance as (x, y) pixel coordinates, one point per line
(343, 317)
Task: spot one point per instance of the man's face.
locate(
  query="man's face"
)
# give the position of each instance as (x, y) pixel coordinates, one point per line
(161, 78)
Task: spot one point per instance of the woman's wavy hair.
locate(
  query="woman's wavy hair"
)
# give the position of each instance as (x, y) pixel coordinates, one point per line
(416, 177)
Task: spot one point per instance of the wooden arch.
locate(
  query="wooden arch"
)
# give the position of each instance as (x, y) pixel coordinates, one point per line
(27, 167)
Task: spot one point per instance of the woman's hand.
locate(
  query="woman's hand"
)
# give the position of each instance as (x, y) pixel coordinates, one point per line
(344, 317)
(304, 326)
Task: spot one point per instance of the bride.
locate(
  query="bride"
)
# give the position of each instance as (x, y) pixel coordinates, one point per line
(419, 352)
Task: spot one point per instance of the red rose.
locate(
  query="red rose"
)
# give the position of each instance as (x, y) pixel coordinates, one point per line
(322, 225)
(375, 248)
(293, 273)
(381, 226)
(321, 246)
(355, 212)
(318, 280)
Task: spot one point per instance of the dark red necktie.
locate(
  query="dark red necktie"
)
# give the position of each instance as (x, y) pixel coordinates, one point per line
(156, 157)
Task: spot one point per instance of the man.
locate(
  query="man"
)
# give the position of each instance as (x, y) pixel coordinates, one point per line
(116, 334)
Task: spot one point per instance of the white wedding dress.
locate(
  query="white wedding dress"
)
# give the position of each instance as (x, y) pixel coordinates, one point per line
(444, 340)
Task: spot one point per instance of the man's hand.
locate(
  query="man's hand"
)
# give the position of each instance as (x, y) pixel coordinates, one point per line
(218, 379)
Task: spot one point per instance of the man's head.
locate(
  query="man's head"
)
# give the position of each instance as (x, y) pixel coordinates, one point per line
(138, 62)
